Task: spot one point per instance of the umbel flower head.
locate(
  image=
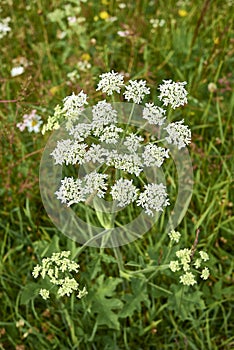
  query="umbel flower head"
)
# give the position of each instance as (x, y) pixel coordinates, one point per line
(110, 82)
(102, 141)
(185, 264)
(136, 91)
(59, 268)
(173, 94)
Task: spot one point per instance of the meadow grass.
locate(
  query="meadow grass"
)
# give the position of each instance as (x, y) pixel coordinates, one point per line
(147, 310)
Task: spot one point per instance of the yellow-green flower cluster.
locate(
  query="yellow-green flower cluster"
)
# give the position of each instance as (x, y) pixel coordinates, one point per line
(185, 262)
(59, 268)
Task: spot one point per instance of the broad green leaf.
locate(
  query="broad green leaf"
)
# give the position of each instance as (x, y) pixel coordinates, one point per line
(133, 301)
(103, 304)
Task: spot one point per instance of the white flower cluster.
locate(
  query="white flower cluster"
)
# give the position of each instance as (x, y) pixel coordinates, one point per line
(185, 263)
(132, 152)
(154, 114)
(173, 93)
(110, 134)
(174, 236)
(130, 163)
(16, 71)
(73, 105)
(154, 198)
(4, 26)
(103, 115)
(71, 191)
(96, 154)
(133, 142)
(74, 191)
(69, 152)
(58, 268)
(154, 156)
(124, 192)
(136, 91)
(178, 134)
(81, 131)
(110, 82)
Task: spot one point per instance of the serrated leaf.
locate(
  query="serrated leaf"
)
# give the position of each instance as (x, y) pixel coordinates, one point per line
(184, 303)
(103, 303)
(134, 300)
(29, 292)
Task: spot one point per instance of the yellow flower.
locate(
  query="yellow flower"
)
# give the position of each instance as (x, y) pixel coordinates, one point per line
(55, 89)
(182, 13)
(216, 41)
(105, 2)
(95, 18)
(85, 57)
(104, 15)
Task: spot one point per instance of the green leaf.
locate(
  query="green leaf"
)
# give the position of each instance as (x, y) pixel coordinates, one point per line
(103, 304)
(183, 303)
(133, 301)
(29, 292)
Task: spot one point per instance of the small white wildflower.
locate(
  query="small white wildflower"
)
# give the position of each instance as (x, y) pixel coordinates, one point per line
(133, 141)
(71, 191)
(124, 33)
(95, 182)
(197, 263)
(69, 152)
(96, 154)
(83, 66)
(205, 273)
(154, 198)
(80, 131)
(188, 279)
(155, 22)
(45, 294)
(204, 255)
(68, 286)
(124, 192)
(174, 265)
(110, 134)
(179, 134)
(17, 71)
(212, 87)
(20, 323)
(130, 163)
(82, 293)
(136, 91)
(73, 105)
(154, 155)
(122, 5)
(154, 114)
(174, 236)
(31, 121)
(110, 82)
(103, 114)
(73, 76)
(4, 27)
(173, 93)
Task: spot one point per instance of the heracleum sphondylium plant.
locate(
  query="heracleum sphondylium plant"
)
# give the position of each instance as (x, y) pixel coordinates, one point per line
(89, 142)
(104, 128)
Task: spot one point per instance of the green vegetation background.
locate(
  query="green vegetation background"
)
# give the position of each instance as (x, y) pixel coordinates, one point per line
(195, 45)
